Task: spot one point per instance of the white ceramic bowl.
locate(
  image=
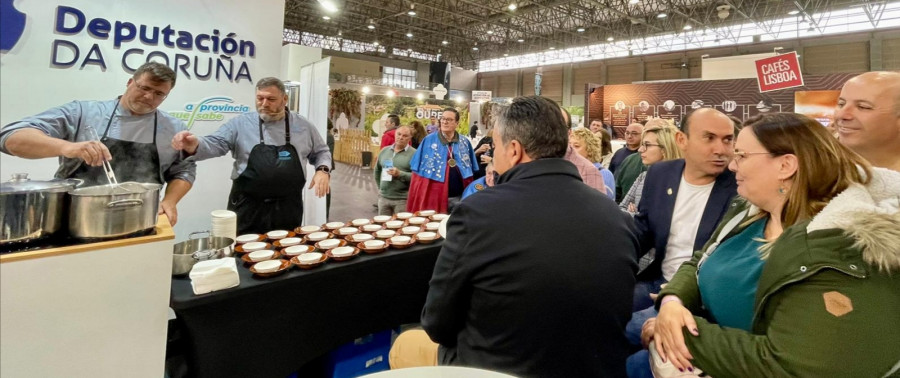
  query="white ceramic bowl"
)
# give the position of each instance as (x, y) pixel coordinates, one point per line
(329, 243)
(287, 242)
(277, 234)
(310, 258)
(360, 222)
(384, 234)
(404, 215)
(432, 226)
(342, 251)
(333, 225)
(261, 255)
(362, 237)
(372, 227)
(254, 246)
(401, 240)
(374, 244)
(381, 218)
(347, 231)
(248, 238)
(417, 220)
(316, 236)
(267, 266)
(439, 217)
(296, 250)
(426, 213)
(409, 230)
(427, 235)
(393, 224)
(308, 229)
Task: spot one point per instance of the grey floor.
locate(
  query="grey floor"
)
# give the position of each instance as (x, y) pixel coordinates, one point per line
(353, 193)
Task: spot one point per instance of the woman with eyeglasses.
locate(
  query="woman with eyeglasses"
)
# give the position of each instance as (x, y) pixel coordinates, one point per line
(802, 277)
(657, 144)
(587, 145)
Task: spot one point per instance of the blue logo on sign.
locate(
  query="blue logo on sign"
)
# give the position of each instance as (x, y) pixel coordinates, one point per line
(12, 25)
(284, 155)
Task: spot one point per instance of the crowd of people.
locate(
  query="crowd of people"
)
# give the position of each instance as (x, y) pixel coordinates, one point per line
(763, 248)
(737, 249)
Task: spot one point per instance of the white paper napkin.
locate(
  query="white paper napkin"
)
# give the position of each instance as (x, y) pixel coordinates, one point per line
(211, 275)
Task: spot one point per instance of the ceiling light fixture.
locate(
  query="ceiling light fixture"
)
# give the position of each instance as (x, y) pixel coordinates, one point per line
(610, 39)
(340, 33)
(511, 7)
(520, 40)
(505, 54)
(688, 27)
(794, 12)
(409, 34)
(580, 30)
(490, 32)
(326, 18)
(371, 24)
(633, 2)
(445, 43)
(328, 5)
(365, 90)
(420, 96)
(375, 43)
(475, 48)
(411, 13)
(662, 15)
(552, 48)
(390, 93)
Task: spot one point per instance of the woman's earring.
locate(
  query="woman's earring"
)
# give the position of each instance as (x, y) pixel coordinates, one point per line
(781, 188)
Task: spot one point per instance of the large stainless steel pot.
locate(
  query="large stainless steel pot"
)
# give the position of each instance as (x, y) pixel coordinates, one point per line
(189, 252)
(31, 210)
(108, 211)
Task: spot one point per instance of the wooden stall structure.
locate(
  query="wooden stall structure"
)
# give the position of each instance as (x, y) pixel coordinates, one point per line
(350, 145)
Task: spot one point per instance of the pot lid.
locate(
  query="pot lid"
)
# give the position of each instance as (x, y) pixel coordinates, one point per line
(20, 183)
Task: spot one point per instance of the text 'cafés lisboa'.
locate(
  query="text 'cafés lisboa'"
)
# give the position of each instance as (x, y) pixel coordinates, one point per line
(215, 55)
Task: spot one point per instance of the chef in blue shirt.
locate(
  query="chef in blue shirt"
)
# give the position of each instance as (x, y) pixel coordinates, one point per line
(129, 132)
(271, 147)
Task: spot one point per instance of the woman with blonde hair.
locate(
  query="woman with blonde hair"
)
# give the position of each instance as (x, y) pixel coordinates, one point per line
(587, 145)
(800, 278)
(657, 144)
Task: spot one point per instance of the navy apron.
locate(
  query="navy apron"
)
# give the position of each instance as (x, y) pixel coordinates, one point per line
(132, 161)
(268, 195)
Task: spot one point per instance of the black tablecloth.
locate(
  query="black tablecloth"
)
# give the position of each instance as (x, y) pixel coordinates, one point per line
(270, 327)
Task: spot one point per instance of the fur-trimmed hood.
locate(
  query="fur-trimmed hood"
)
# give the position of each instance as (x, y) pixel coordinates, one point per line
(869, 214)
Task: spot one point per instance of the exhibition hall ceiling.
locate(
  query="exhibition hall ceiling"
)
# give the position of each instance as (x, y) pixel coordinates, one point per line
(466, 32)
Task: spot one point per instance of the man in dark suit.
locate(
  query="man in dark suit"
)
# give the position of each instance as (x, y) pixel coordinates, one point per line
(534, 291)
(681, 205)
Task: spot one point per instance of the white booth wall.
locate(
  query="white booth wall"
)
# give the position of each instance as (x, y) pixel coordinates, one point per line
(30, 82)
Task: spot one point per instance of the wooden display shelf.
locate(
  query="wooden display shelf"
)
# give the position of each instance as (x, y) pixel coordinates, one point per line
(163, 232)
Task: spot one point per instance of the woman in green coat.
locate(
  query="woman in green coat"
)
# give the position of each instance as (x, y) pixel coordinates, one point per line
(802, 278)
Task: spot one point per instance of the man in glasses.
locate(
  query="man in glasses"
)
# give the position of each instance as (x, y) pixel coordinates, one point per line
(129, 132)
(632, 142)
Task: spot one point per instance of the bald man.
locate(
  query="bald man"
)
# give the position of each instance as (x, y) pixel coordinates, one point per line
(868, 117)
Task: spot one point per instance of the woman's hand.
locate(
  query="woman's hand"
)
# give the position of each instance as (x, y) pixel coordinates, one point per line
(669, 337)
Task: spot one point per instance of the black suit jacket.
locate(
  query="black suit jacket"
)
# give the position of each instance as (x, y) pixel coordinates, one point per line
(654, 217)
(536, 277)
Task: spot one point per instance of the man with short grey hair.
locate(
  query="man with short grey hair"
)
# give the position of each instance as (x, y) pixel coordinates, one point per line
(271, 147)
(506, 294)
(129, 132)
(867, 117)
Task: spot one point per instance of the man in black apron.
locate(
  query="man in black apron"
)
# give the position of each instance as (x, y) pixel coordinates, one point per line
(271, 148)
(85, 133)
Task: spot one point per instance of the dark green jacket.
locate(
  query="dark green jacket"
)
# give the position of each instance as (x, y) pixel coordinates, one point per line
(626, 173)
(828, 300)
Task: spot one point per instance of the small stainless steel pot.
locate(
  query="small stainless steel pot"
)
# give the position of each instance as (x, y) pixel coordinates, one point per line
(189, 252)
(32, 210)
(108, 211)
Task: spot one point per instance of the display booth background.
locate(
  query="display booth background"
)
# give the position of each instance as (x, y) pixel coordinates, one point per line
(29, 84)
(744, 93)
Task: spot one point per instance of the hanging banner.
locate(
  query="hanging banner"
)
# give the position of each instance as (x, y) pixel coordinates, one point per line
(481, 96)
(779, 72)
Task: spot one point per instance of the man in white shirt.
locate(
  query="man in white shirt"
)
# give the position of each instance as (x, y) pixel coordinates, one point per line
(868, 117)
(681, 205)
